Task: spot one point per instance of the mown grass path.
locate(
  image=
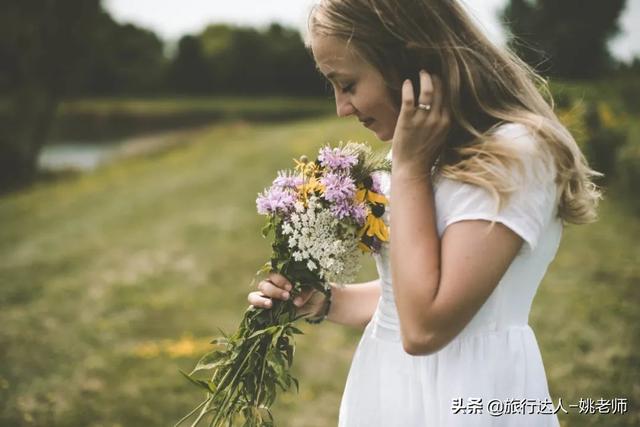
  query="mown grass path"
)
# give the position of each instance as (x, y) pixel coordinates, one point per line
(112, 281)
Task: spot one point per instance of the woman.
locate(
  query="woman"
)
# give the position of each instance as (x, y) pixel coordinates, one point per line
(484, 176)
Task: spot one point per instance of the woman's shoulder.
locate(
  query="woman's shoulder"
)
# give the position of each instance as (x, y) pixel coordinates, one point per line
(523, 139)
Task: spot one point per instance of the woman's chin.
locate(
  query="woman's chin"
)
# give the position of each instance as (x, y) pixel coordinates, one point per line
(384, 136)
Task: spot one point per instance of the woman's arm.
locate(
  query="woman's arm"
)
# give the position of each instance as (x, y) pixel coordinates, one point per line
(438, 285)
(352, 305)
(355, 304)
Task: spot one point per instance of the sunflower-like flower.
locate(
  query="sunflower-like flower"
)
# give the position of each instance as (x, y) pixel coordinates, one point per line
(374, 225)
(365, 193)
(374, 231)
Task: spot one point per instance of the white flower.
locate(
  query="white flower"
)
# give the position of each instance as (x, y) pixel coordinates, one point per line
(287, 229)
(316, 237)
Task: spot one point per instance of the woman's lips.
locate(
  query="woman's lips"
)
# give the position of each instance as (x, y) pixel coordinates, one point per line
(367, 122)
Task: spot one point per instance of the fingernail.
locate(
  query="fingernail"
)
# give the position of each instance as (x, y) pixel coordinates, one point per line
(285, 295)
(267, 303)
(287, 287)
(297, 302)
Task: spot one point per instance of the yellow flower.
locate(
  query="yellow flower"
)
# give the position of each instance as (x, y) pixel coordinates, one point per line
(363, 247)
(305, 167)
(310, 186)
(370, 196)
(376, 227)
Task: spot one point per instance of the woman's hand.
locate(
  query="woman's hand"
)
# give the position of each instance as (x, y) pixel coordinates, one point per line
(420, 134)
(277, 286)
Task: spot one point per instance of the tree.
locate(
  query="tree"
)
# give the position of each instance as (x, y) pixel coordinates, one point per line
(565, 38)
(43, 48)
(237, 60)
(126, 60)
(189, 72)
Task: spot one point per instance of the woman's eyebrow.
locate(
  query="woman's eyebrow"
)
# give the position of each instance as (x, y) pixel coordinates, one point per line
(333, 74)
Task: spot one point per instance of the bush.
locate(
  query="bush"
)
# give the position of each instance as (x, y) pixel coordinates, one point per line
(606, 136)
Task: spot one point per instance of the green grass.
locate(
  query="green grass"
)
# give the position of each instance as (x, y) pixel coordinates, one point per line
(113, 281)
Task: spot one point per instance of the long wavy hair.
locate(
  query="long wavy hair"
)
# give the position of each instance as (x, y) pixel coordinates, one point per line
(485, 86)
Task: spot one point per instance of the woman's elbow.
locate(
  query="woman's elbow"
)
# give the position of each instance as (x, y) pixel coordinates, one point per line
(421, 346)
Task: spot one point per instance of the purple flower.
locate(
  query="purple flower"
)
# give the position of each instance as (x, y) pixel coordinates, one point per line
(286, 179)
(375, 186)
(275, 200)
(345, 209)
(335, 158)
(359, 213)
(338, 187)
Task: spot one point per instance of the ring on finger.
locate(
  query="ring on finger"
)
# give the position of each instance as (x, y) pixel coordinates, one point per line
(425, 107)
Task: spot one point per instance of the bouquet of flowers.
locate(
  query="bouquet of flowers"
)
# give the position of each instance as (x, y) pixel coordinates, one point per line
(323, 215)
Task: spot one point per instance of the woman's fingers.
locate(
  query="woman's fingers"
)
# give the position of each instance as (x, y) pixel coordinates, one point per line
(262, 298)
(426, 89)
(280, 281)
(271, 290)
(408, 103)
(303, 298)
(257, 299)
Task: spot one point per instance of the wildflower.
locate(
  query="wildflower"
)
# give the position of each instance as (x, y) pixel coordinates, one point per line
(374, 225)
(286, 179)
(338, 187)
(336, 158)
(275, 200)
(365, 194)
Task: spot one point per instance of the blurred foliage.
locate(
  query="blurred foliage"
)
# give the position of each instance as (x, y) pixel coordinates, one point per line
(244, 61)
(566, 38)
(606, 127)
(43, 48)
(108, 119)
(51, 50)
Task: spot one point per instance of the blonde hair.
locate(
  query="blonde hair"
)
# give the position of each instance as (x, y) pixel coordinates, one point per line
(485, 86)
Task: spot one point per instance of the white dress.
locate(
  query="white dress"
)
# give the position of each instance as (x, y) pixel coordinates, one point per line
(495, 359)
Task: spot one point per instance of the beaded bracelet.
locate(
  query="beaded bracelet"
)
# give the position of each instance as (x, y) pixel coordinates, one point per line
(324, 311)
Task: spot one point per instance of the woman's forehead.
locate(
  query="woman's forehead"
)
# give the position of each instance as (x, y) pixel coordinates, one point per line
(333, 57)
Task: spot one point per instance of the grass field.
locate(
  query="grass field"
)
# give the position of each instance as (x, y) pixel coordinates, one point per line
(113, 281)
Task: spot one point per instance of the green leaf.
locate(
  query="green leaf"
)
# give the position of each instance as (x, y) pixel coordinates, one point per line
(295, 330)
(209, 361)
(267, 228)
(200, 383)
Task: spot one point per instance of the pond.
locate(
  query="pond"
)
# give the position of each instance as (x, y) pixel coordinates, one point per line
(85, 156)
(79, 156)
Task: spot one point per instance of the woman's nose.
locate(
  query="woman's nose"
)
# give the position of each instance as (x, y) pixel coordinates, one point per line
(344, 107)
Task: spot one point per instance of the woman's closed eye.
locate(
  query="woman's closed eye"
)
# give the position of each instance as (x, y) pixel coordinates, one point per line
(347, 88)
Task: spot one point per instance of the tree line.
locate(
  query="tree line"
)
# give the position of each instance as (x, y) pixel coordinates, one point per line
(52, 49)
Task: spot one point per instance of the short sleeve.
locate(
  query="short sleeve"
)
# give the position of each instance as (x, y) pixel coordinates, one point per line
(529, 207)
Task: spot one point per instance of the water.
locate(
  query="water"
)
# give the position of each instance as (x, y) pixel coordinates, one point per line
(76, 156)
(87, 156)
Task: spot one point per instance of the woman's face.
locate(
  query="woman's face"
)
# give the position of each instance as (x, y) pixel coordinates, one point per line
(359, 88)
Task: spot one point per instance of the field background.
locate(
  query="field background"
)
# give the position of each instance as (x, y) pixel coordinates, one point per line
(114, 280)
